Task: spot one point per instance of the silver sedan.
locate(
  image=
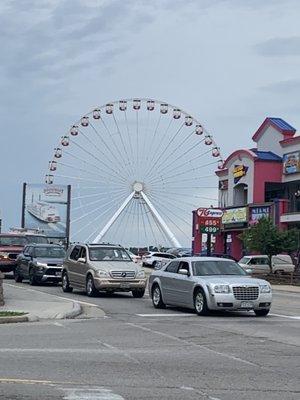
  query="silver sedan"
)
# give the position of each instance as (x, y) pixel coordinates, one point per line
(208, 283)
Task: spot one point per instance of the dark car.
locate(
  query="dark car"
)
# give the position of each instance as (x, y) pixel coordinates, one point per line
(40, 263)
(12, 244)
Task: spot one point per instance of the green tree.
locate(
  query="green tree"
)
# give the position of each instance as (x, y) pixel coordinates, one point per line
(266, 238)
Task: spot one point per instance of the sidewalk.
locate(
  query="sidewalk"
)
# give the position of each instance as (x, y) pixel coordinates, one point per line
(286, 288)
(38, 305)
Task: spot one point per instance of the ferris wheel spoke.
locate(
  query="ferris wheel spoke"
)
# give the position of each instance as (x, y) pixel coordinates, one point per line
(164, 183)
(145, 143)
(94, 145)
(152, 140)
(124, 147)
(143, 222)
(113, 141)
(118, 226)
(112, 197)
(88, 172)
(187, 171)
(76, 178)
(94, 220)
(162, 152)
(173, 203)
(150, 224)
(161, 206)
(129, 136)
(162, 193)
(91, 212)
(118, 173)
(106, 192)
(170, 152)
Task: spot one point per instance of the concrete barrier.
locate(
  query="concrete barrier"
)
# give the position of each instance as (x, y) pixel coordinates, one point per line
(1, 290)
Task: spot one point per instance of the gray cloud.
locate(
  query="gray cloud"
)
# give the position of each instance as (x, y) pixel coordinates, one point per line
(279, 47)
(288, 87)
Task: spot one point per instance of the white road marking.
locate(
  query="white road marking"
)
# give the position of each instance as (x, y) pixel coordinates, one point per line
(118, 351)
(58, 324)
(226, 355)
(166, 315)
(286, 316)
(88, 393)
(73, 300)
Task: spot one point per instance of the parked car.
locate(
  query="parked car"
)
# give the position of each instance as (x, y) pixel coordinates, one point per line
(12, 244)
(102, 267)
(153, 258)
(281, 263)
(134, 257)
(40, 263)
(205, 283)
(180, 251)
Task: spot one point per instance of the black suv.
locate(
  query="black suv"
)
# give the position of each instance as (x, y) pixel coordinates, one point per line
(40, 263)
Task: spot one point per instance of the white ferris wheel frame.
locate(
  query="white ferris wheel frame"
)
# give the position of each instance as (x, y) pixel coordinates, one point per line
(138, 187)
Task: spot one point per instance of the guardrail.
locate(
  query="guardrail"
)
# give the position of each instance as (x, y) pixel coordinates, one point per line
(281, 279)
(1, 290)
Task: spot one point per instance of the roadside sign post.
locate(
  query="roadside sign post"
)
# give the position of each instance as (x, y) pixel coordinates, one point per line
(209, 220)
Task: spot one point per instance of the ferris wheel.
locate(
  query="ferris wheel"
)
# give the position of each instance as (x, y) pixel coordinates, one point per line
(137, 167)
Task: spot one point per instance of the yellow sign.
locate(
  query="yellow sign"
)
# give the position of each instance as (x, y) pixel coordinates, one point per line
(238, 172)
(234, 215)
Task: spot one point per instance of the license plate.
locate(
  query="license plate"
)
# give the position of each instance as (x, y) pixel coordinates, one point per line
(246, 304)
(124, 285)
(58, 274)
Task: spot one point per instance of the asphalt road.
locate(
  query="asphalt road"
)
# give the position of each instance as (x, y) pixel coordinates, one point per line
(137, 352)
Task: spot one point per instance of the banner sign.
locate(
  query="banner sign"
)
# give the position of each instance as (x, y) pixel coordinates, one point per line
(238, 172)
(235, 215)
(291, 163)
(47, 208)
(256, 213)
(210, 212)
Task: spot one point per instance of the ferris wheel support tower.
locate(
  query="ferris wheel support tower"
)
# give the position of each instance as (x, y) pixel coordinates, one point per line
(139, 193)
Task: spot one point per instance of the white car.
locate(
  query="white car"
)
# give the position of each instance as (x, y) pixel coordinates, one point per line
(154, 258)
(282, 263)
(134, 257)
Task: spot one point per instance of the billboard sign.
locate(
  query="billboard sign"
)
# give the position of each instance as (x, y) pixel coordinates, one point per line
(47, 208)
(256, 213)
(291, 163)
(235, 215)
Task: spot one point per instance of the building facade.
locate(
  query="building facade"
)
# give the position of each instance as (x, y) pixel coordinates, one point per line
(256, 182)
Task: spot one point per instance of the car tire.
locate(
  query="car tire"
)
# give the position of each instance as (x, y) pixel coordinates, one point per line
(32, 278)
(90, 289)
(18, 277)
(200, 303)
(262, 313)
(138, 294)
(157, 300)
(65, 283)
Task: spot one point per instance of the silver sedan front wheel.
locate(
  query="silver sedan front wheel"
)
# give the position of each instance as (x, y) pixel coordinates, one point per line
(157, 298)
(200, 304)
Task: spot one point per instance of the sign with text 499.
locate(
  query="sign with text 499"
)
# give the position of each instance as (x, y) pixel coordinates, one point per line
(209, 225)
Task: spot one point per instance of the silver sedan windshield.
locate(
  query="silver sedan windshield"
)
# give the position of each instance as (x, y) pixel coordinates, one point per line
(216, 267)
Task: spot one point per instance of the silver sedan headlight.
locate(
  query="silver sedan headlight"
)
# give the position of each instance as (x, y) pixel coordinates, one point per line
(265, 288)
(141, 274)
(221, 288)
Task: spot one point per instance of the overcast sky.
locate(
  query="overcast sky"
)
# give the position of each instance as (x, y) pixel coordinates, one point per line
(230, 63)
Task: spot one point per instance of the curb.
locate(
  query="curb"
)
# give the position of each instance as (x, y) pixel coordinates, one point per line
(14, 319)
(76, 310)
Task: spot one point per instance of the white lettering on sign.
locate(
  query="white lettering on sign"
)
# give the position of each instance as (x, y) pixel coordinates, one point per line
(210, 212)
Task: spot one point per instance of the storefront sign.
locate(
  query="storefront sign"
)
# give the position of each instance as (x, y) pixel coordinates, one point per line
(238, 172)
(291, 163)
(256, 213)
(210, 212)
(235, 215)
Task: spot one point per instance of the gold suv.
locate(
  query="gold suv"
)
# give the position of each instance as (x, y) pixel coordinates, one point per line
(102, 267)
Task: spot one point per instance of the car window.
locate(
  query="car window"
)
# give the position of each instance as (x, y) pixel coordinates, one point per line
(13, 240)
(184, 265)
(172, 267)
(244, 260)
(108, 254)
(37, 239)
(75, 253)
(31, 251)
(49, 252)
(217, 267)
(26, 249)
(83, 252)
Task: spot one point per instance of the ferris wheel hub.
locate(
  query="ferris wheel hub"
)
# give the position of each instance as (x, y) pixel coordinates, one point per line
(138, 187)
